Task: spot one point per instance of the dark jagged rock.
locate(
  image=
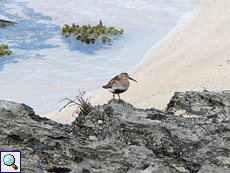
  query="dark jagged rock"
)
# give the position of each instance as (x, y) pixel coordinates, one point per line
(192, 135)
(4, 23)
(206, 104)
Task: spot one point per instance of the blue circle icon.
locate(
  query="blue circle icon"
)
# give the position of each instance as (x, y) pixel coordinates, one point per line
(9, 159)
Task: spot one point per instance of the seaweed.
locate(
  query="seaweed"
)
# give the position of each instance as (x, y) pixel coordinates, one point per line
(4, 51)
(89, 34)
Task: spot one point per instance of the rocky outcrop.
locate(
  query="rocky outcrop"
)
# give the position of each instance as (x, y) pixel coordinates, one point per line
(191, 135)
(4, 23)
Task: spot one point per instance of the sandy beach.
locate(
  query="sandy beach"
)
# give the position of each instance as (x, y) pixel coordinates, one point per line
(193, 56)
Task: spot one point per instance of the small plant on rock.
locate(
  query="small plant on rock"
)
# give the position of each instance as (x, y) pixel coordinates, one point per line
(83, 105)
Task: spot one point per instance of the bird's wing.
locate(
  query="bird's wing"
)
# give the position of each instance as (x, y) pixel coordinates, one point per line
(112, 83)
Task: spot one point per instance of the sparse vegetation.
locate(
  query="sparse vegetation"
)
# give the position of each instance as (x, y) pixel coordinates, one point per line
(4, 51)
(83, 105)
(89, 34)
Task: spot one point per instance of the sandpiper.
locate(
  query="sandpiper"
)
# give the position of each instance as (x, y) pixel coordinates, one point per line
(118, 84)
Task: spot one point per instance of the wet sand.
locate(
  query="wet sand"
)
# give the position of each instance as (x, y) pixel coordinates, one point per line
(193, 56)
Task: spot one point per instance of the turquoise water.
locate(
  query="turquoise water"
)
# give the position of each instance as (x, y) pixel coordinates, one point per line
(45, 67)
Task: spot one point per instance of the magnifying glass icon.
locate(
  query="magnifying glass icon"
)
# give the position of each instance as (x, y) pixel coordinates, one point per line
(9, 160)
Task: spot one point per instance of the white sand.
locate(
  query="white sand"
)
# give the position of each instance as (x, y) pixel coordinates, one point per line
(193, 56)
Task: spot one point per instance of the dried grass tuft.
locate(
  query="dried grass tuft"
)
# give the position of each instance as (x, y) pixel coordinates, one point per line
(84, 106)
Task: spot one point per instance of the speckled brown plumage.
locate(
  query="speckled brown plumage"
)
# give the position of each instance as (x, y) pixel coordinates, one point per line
(118, 84)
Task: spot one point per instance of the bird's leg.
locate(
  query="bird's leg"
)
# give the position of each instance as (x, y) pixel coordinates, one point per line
(119, 98)
(114, 97)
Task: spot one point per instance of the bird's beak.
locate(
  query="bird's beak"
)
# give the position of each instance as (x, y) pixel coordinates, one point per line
(133, 79)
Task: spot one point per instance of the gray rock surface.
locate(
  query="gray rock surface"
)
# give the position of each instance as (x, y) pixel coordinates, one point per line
(191, 135)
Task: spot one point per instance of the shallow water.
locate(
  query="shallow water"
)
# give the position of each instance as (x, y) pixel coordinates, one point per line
(46, 67)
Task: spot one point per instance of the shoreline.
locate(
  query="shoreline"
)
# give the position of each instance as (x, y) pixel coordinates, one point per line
(192, 56)
(138, 70)
(56, 67)
(194, 61)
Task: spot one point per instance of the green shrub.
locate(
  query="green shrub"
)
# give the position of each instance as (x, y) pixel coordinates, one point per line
(89, 34)
(4, 51)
